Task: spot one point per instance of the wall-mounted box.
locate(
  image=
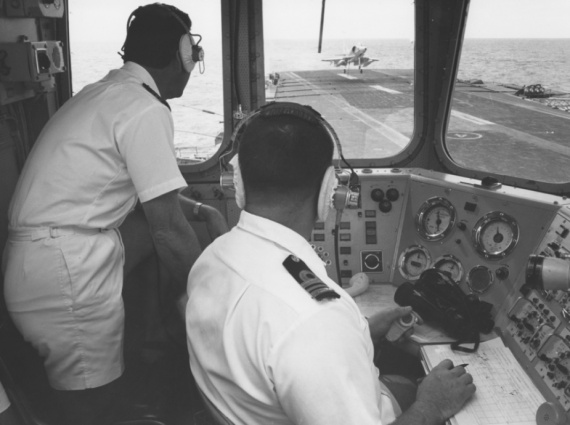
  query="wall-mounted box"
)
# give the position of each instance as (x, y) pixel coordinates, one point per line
(30, 61)
(34, 8)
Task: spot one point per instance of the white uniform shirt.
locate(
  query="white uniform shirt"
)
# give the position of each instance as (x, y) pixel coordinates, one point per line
(105, 146)
(265, 352)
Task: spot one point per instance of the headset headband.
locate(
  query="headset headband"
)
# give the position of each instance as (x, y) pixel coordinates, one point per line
(304, 112)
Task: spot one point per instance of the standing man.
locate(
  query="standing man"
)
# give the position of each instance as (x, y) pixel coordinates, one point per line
(275, 340)
(73, 233)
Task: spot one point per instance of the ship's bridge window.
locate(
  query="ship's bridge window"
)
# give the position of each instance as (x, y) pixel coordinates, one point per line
(97, 32)
(361, 81)
(511, 105)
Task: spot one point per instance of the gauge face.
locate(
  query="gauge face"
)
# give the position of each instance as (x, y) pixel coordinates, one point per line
(413, 261)
(479, 279)
(495, 235)
(435, 219)
(451, 265)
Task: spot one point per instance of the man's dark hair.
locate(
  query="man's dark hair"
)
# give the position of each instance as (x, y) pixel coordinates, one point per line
(153, 35)
(284, 155)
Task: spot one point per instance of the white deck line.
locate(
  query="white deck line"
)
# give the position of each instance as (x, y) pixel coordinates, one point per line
(386, 89)
(390, 133)
(471, 118)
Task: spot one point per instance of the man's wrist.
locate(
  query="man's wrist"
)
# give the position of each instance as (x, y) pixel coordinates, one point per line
(196, 209)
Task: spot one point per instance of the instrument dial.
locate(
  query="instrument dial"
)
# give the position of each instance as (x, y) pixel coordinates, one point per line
(480, 279)
(451, 265)
(435, 219)
(413, 261)
(495, 235)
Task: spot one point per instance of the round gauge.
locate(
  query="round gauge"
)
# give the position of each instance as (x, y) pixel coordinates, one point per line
(450, 264)
(413, 261)
(435, 219)
(479, 279)
(495, 235)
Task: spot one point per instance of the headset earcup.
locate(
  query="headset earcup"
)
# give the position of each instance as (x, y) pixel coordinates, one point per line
(238, 183)
(328, 186)
(185, 50)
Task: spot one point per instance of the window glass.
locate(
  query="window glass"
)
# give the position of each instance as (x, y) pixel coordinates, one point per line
(97, 33)
(511, 106)
(361, 82)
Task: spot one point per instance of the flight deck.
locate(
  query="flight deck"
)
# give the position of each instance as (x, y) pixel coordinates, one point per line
(490, 127)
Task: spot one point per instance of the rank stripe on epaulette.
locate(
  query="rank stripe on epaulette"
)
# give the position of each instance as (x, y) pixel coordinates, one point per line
(308, 280)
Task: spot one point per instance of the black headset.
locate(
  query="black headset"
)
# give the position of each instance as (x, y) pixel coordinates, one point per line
(189, 51)
(192, 54)
(344, 197)
(303, 112)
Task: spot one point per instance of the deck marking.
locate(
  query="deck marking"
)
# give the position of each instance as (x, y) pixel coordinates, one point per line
(471, 118)
(387, 90)
(390, 133)
(349, 77)
(464, 136)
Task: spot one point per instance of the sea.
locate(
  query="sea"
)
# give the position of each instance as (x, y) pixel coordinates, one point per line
(198, 114)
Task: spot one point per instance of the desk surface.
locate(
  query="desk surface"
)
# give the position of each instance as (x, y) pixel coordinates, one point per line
(375, 298)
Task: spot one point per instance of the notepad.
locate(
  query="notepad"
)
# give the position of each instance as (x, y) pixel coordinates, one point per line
(505, 394)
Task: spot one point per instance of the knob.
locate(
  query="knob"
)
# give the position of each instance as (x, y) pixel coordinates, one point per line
(550, 414)
(392, 194)
(461, 226)
(502, 273)
(372, 262)
(385, 206)
(377, 195)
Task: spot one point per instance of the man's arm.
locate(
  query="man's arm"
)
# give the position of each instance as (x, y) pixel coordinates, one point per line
(323, 375)
(380, 322)
(175, 241)
(196, 211)
(442, 394)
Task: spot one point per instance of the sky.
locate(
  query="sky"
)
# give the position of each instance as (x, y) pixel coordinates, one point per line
(105, 20)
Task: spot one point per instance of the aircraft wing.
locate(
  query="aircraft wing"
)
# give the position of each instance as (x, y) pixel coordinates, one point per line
(337, 61)
(367, 61)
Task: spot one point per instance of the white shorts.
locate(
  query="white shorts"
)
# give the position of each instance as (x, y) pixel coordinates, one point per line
(63, 294)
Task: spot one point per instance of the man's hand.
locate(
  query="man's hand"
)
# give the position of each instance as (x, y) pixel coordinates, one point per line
(445, 390)
(380, 322)
(215, 221)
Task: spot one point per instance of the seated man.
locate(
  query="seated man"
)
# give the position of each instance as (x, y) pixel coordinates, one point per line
(272, 339)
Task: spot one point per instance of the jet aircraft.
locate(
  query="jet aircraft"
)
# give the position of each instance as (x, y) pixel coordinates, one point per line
(355, 56)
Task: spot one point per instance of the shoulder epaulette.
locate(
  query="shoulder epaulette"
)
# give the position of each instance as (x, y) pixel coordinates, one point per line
(308, 280)
(155, 94)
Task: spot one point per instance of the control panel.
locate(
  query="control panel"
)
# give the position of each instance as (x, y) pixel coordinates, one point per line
(367, 234)
(535, 323)
(411, 220)
(483, 234)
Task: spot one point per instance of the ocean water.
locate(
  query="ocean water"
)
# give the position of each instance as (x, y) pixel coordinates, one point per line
(198, 115)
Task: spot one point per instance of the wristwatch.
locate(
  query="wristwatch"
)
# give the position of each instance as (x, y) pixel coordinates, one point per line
(196, 208)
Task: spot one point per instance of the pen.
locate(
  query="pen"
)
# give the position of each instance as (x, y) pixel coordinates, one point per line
(463, 365)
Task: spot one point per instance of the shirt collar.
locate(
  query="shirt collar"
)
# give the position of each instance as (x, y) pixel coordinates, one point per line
(142, 74)
(276, 233)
